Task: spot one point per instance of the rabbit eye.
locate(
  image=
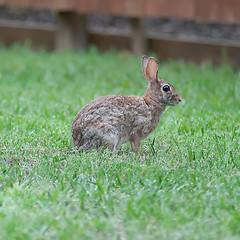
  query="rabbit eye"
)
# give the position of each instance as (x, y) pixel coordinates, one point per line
(166, 88)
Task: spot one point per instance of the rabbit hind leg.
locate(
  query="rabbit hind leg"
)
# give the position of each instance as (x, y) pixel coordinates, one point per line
(97, 140)
(102, 142)
(111, 142)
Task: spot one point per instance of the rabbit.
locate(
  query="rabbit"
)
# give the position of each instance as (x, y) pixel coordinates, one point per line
(109, 121)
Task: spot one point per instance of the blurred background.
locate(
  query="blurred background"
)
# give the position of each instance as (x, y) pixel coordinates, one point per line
(189, 30)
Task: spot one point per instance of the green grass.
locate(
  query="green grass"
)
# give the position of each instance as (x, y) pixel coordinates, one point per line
(183, 184)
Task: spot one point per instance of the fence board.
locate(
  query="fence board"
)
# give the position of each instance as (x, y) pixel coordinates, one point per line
(226, 11)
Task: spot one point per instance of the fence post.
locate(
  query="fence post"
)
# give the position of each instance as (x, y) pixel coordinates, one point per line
(138, 38)
(71, 31)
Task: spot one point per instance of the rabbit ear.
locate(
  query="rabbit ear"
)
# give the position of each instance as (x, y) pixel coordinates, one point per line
(152, 70)
(144, 65)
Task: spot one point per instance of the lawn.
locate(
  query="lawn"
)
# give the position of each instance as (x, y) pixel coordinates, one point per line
(184, 183)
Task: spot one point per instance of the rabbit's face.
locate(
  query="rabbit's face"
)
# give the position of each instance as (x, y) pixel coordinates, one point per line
(164, 93)
(158, 90)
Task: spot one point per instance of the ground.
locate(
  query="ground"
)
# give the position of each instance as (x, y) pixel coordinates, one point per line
(183, 184)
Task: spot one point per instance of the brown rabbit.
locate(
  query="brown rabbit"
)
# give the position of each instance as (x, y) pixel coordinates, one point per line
(112, 120)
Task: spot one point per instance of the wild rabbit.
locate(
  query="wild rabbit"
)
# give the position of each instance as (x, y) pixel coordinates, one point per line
(112, 120)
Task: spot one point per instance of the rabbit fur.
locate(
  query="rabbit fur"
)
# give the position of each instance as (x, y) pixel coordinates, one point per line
(109, 121)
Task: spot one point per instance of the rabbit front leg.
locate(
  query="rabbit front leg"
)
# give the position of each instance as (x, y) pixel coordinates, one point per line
(135, 142)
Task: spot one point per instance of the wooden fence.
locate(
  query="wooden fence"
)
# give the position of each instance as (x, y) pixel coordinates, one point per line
(71, 31)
